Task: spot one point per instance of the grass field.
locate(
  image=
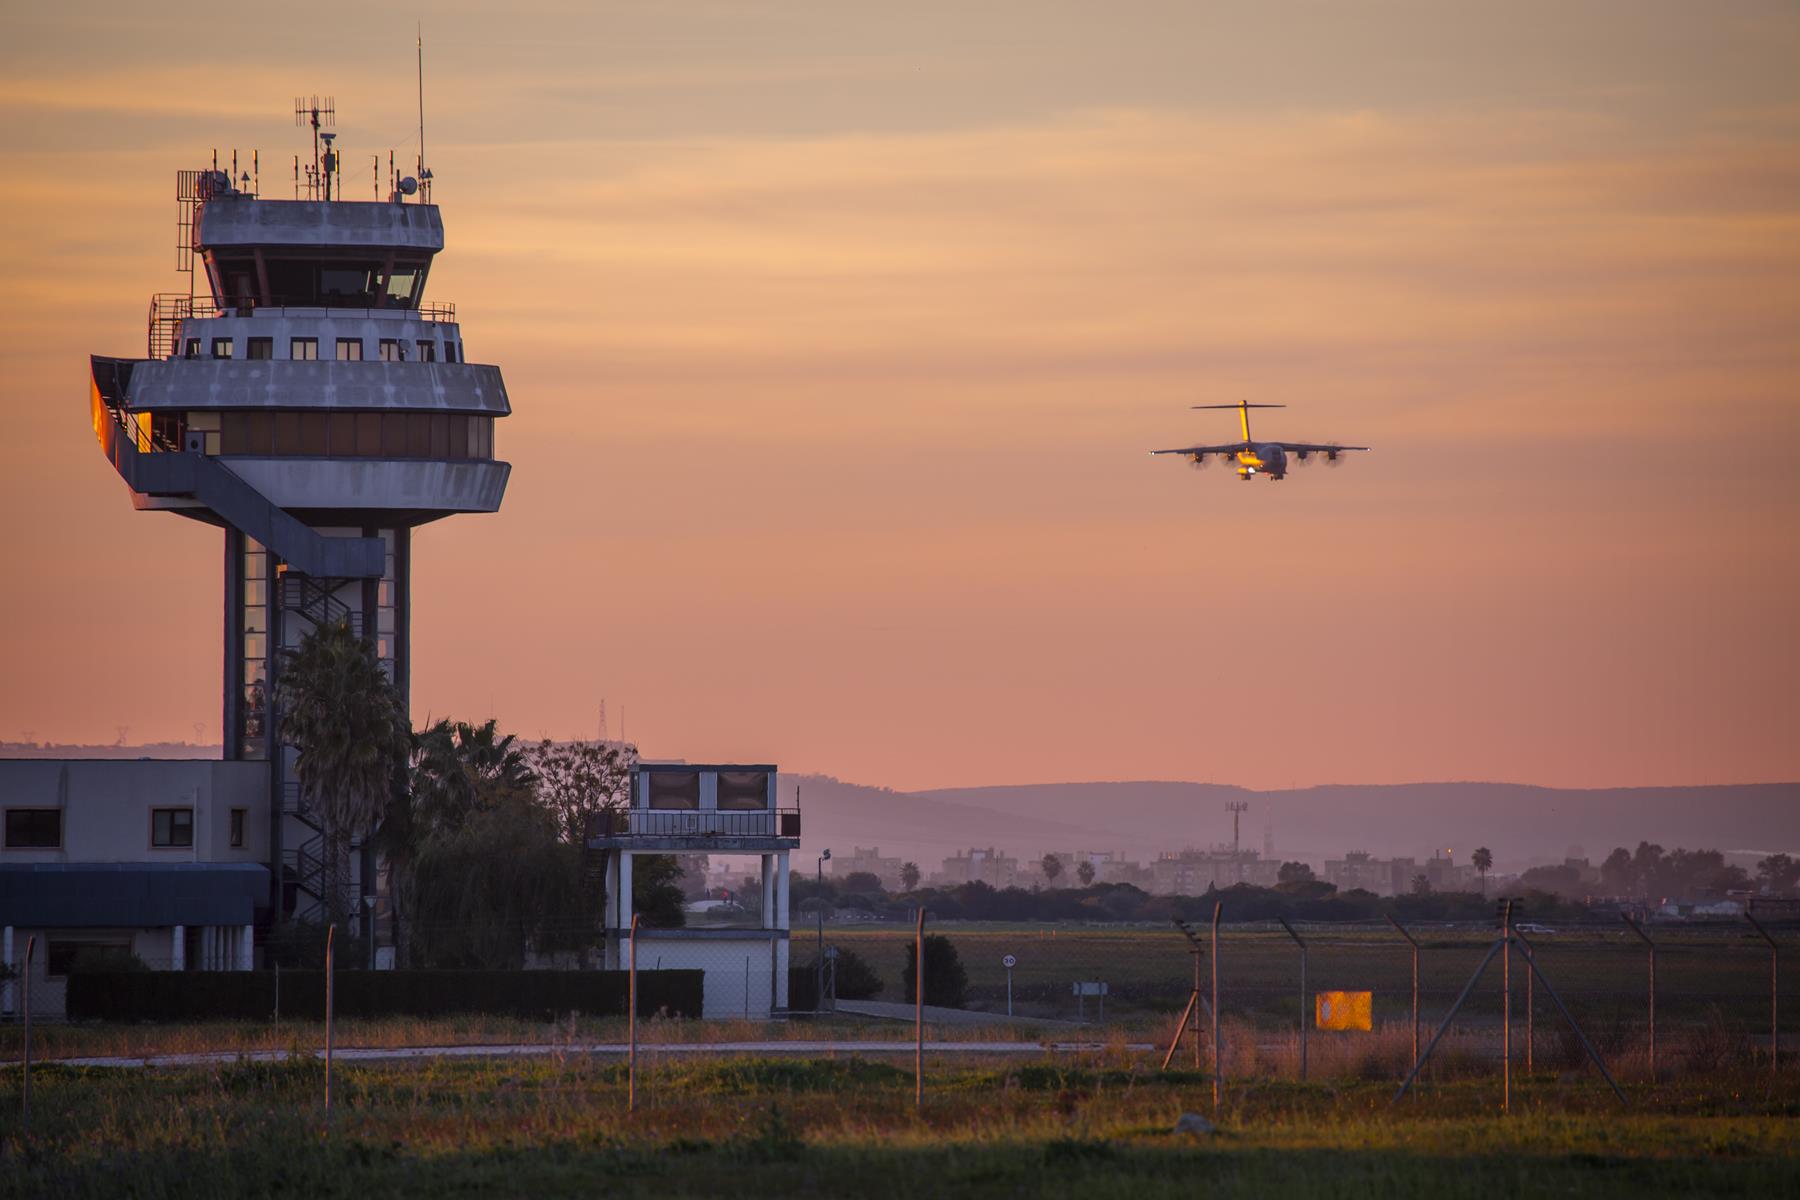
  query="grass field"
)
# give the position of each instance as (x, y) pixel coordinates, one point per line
(1600, 973)
(1101, 1127)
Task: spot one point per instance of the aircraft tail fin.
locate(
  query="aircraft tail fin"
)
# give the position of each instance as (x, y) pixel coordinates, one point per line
(1243, 411)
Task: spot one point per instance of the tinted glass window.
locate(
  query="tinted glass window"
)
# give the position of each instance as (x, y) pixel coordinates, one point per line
(171, 827)
(259, 348)
(393, 435)
(743, 789)
(341, 434)
(674, 789)
(33, 828)
(312, 433)
(368, 435)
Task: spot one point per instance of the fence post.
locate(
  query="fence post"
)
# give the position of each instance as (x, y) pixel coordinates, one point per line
(278, 993)
(1530, 951)
(330, 961)
(1401, 930)
(1218, 1048)
(919, 1013)
(1304, 1022)
(631, 1021)
(1506, 957)
(1774, 995)
(25, 1013)
(1639, 930)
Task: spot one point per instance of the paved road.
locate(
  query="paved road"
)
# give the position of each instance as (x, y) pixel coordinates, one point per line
(580, 1049)
(946, 1016)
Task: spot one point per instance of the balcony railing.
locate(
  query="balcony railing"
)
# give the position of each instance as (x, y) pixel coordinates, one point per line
(169, 309)
(695, 823)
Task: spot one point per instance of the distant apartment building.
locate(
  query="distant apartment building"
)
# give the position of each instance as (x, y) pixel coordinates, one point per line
(1398, 876)
(990, 866)
(1191, 872)
(869, 859)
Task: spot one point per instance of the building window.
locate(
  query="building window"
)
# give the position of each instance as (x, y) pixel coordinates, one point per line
(34, 828)
(304, 349)
(193, 348)
(744, 789)
(349, 349)
(259, 348)
(449, 350)
(427, 351)
(171, 827)
(675, 789)
(392, 350)
(221, 347)
(237, 827)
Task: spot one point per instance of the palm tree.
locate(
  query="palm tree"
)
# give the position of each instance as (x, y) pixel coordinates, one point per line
(1482, 860)
(1052, 867)
(909, 875)
(340, 710)
(1085, 872)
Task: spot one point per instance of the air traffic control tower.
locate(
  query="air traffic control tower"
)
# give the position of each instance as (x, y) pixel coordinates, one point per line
(305, 398)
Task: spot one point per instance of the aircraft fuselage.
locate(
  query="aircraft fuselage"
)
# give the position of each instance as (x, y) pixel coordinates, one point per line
(1267, 459)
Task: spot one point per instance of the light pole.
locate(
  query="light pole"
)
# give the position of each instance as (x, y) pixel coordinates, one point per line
(819, 900)
(1009, 962)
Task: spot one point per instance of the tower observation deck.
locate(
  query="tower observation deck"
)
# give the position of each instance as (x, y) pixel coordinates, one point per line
(312, 405)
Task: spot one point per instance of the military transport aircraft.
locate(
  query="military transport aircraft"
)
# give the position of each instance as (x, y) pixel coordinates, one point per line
(1259, 458)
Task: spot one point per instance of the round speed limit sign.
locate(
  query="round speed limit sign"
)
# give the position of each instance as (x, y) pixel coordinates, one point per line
(1009, 962)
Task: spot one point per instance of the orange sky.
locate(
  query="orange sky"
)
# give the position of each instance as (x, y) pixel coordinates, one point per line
(835, 335)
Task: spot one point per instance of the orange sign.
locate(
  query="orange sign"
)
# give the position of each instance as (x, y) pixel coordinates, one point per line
(1344, 1010)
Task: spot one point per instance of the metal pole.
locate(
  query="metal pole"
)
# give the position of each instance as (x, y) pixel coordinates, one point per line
(25, 1010)
(1303, 1013)
(1639, 930)
(1181, 1028)
(1195, 1003)
(919, 1013)
(1531, 963)
(1419, 1064)
(330, 961)
(1217, 1049)
(1774, 995)
(1009, 1011)
(1530, 991)
(631, 1020)
(1415, 984)
(1506, 1010)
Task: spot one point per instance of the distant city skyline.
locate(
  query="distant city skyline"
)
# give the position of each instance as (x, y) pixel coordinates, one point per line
(835, 337)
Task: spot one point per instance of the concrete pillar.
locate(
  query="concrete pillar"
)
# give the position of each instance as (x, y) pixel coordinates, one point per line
(6, 957)
(178, 949)
(247, 948)
(768, 891)
(781, 888)
(611, 885)
(624, 890)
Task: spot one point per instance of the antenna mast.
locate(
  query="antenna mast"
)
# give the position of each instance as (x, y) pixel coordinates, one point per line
(311, 111)
(424, 179)
(1236, 808)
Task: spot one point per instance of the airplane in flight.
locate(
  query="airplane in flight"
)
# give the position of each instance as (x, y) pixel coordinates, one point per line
(1259, 458)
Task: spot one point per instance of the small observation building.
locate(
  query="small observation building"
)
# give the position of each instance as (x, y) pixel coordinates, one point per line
(689, 808)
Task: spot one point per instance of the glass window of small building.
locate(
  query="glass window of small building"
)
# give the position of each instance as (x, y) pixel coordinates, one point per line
(674, 789)
(171, 827)
(33, 828)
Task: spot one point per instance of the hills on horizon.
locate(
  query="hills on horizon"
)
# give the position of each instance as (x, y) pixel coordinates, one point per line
(1523, 824)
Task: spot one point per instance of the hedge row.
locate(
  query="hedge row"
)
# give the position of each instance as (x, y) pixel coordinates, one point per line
(251, 995)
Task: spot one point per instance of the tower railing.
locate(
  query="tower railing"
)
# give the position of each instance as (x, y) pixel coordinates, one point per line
(169, 309)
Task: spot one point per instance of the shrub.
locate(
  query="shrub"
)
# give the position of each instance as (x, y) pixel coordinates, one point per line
(856, 979)
(946, 983)
(252, 995)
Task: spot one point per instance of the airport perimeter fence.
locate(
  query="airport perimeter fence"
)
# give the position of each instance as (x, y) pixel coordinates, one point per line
(1690, 995)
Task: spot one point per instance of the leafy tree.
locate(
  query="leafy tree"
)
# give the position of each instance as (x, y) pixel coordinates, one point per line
(578, 781)
(497, 883)
(656, 894)
(1559, 880)
(1778, 873)
(1619, 873)
(856, 979)
(1483, 861)
(1085, 873)
(1052, 866)
(909, 876)
(342, 713)
(863, 883)
(1421, 885)
(946, 982)
(1294, 872)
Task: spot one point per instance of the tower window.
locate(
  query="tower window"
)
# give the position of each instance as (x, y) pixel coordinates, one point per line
(449, 350)
(304, 349)
(427, 351)
(221, 348)
(349, 349)
(171, 827)
(392, 350)
(193, 348)
(259, 348)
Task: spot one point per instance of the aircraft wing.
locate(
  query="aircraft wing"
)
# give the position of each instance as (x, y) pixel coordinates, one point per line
(1231, 448)
(1321, 447)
